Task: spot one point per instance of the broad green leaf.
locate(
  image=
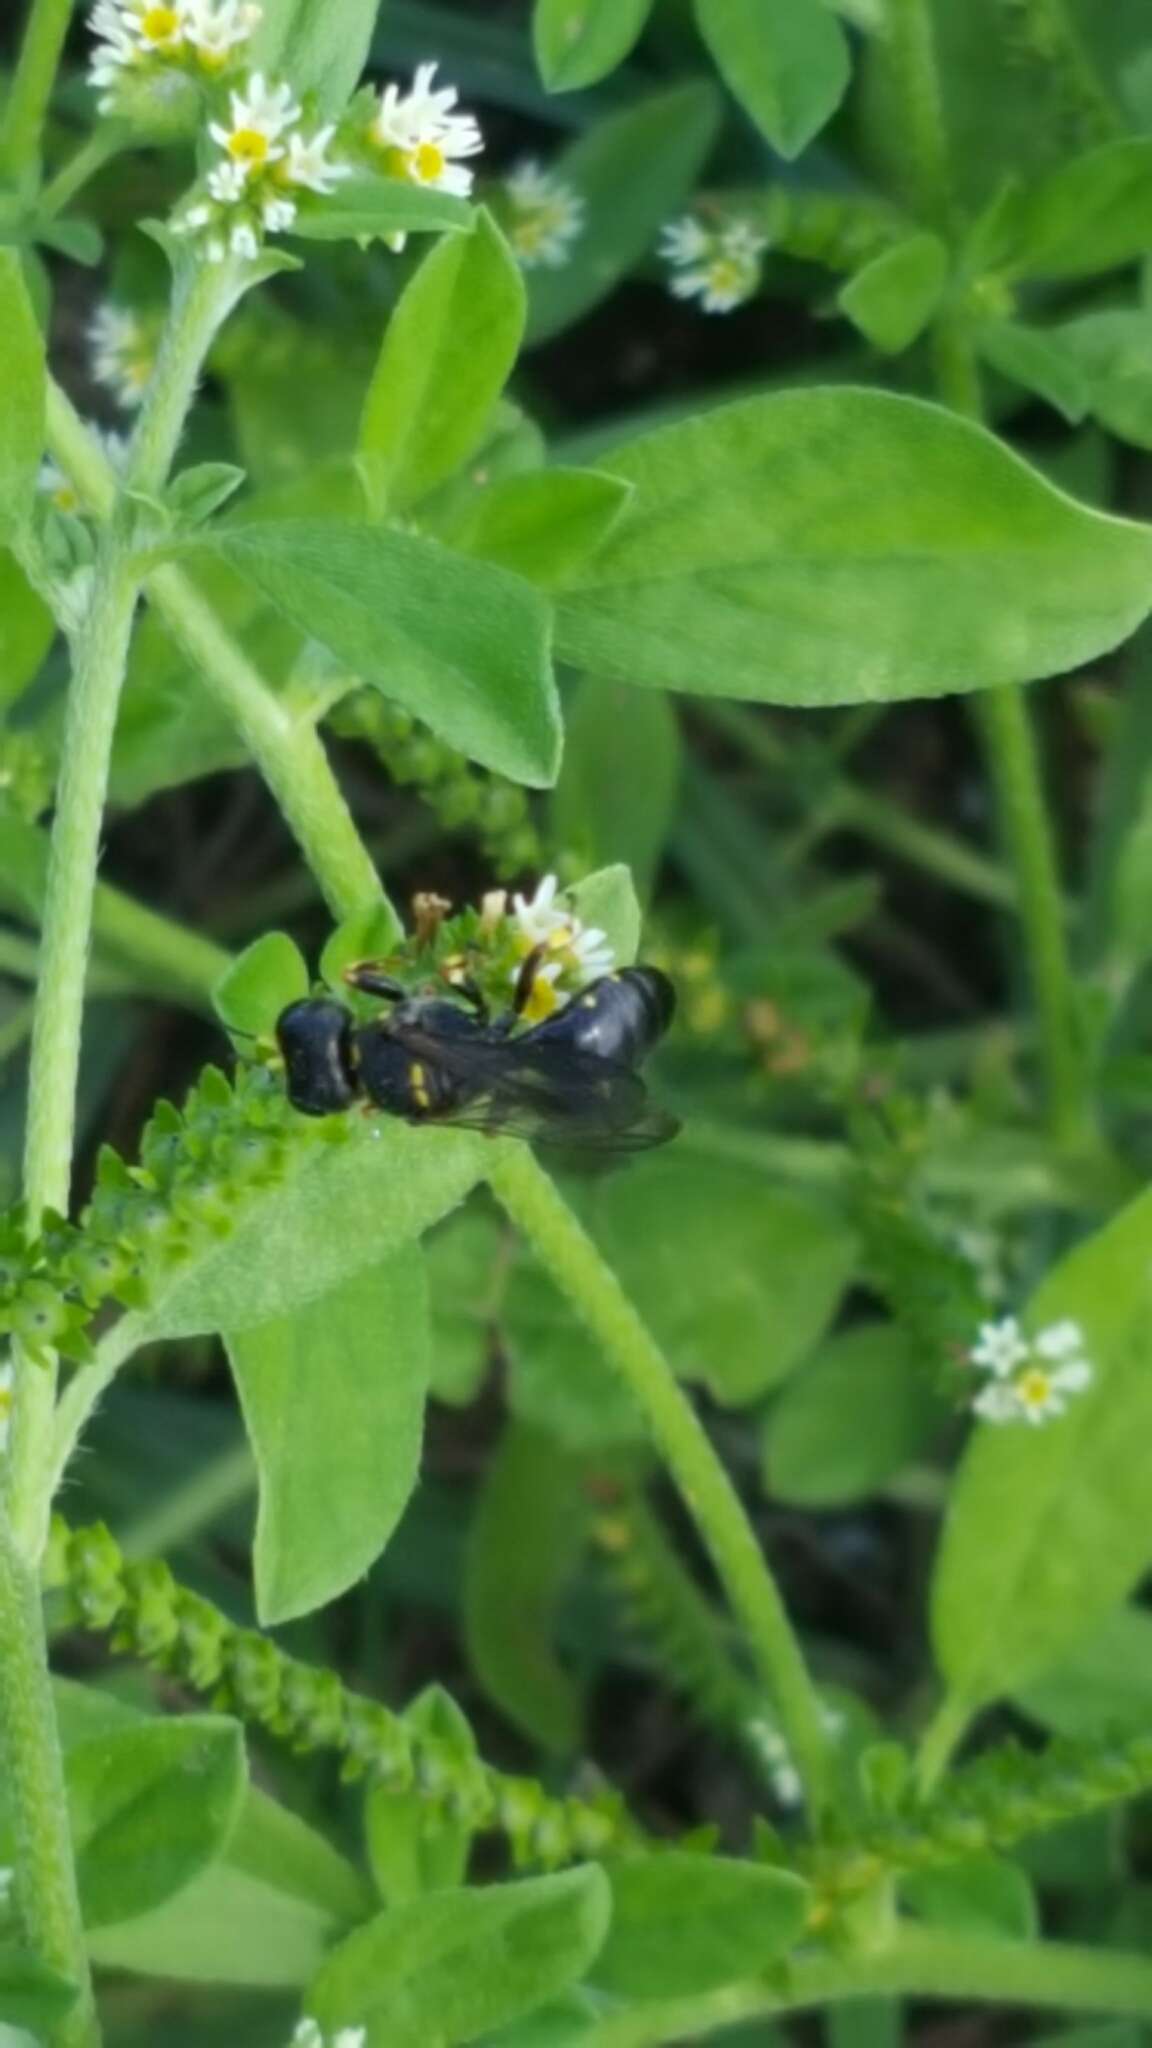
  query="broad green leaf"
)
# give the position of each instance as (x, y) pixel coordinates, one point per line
(1103, 1682)
(462, 645)
(445, 1967)
(333, 1401)
(31, 1994)
(323, 49)
(369, 208)
(619, 782)
(841, 546)
(851, 1417)
(381, 1188)
(151, 1807)
(1037, 361)
(683, 1924)
(785, 60)
(268, 975)
(463, 1259)
(894, 297)
(1112, 351)
(578, 42)
(446, 356)
(21, 394)
(1090, 214)
(633, 171)
(607, 900)
(529, 1529)
(977, 1895)
(1047, 1528)
(26, 628)
(417, 1845)
(542, 525)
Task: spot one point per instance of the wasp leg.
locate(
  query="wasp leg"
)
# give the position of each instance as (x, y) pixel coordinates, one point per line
(526, 979)
(367, 976)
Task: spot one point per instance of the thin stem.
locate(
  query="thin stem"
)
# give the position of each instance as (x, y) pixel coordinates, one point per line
(569, 1255)
(918, 1964)
(36, 68)
(83, 1391)
(33, 1772)
(97, 149)
(944, 1733)
(203, 294)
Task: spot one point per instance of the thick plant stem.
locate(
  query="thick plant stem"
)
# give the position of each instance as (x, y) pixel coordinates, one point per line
(569, 1255)
(912, 56)
(27, 106)
(100, 656)
(33, 1776)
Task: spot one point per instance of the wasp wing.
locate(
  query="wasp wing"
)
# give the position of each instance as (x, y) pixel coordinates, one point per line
(547, 1093)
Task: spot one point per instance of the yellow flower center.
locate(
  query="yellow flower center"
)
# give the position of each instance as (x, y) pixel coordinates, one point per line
(542, 1001)
(1034, 1387)
(65, 497)
(725, 274)
(427, 162)
(248, 146)
(160, 24)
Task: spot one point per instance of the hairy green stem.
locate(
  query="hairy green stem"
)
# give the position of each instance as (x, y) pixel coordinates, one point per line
(918, 1964)
(203, 294)
(36, 67)
(569, 1255)
(33, 1775)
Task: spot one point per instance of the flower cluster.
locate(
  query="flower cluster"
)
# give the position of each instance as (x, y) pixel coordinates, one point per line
(122, 350)
(1029, 1378)
(573, 953)
(720, 265)
(266, 162)
(136, 39)
(422, 138)
(544, 216)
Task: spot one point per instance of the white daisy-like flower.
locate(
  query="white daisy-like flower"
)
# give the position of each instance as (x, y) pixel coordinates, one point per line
(277, 214)
(423, 139)
(214, 28)
(227, 182)
(572, 953)
(122, 355)
(1045, 1372)
(539, 915)
(260, 114)
(719, 266)
(999, 1347)
(308, 163)
(547, 216)
(5, 1431)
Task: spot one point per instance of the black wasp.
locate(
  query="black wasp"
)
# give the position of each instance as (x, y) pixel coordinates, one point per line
(570, 1080)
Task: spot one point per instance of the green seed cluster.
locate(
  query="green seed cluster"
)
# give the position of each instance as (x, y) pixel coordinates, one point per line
(151, 1617)
(198, 1168)
(464, 798)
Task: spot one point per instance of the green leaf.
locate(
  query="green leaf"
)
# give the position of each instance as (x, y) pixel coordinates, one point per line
(1038, 362)
(463, 1265)
(321, 50)
(840, 546)
(892, 299)
(683, 1924)
(26, 629)
(785, 60)
(849, 1419)
(1112, 351)
(369, 935)
(618, 786)
(365, 209)
(447, 354)
(542, 525)
(1091, 214)
(151, 1806)
(529, 1529)
(333, 1400)
(196, 493)
(633, 171)
(443, 1968)
(416, 1845)
(607, 899)
(383, 1187)
(460, 644)
(268, 975)
(21, 394)
(1103, 1682)
(977, 1895)
(578, 42)
(31, 1994)
(1047, 1528)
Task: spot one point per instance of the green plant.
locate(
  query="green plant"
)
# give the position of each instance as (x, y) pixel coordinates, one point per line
(899, 1263)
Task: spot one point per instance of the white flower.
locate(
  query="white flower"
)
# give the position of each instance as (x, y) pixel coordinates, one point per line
(216, 27)
(539, 916)
(308, 2035)
(308, 164)
(226, 182)
(1031, 1378)
(243, 240)
(1000, 1347)
(422, 137)
(5, 1428)
(576, 953)
(260, 115)
(122, 354)
(720, 266)
(277, 214)
(548, 216)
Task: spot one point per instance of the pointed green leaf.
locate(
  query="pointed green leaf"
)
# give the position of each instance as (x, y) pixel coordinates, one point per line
(836, 547)
(578, 42)
(785, 60)
(366, 209)
(542, 525)
(618, 786)
(152, 1806)
(1038, 362)
(683, 1924)
(333, 1399)
(268, 975)
(895, 295)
